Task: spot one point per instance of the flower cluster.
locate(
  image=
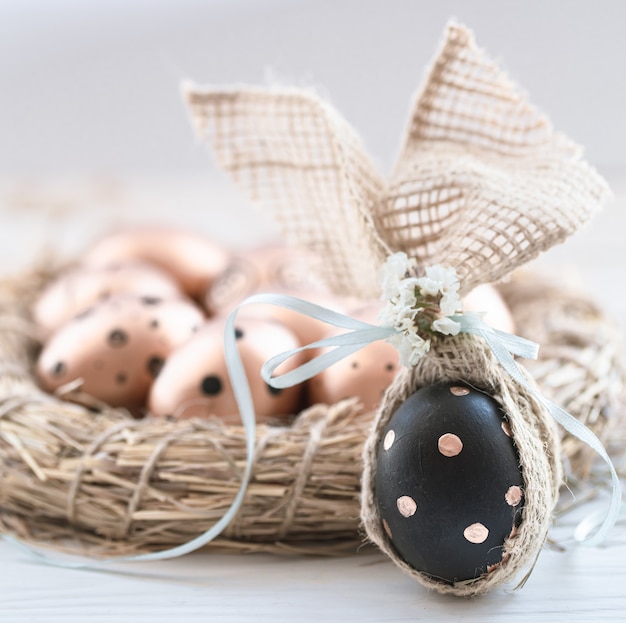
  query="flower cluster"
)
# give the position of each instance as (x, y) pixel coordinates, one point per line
(418, 307)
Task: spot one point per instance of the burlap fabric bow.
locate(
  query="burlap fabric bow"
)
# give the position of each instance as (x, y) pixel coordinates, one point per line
(482, 185)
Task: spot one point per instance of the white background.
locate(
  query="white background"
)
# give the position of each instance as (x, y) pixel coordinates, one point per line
(91, 86)
(93, 132)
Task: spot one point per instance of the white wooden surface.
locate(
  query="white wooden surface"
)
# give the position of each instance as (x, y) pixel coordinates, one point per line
(579, 584)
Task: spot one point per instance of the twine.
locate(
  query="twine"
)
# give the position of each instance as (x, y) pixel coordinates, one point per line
(305, 469)
(80, 470)
(467, 359)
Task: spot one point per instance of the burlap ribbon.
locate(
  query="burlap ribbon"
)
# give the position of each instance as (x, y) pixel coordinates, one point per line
(482, 185)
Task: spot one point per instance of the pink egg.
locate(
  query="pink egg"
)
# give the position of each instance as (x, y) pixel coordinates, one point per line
(82, 286)
(485, 298)
(194, 381)
(115, 349)
(193, 260)
(365, 374)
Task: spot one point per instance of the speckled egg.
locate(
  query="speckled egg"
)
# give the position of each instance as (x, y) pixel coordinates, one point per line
(448, 484)
(117, 347)
(82, 286)
(194, 381)
(193, 260)
(365, 374)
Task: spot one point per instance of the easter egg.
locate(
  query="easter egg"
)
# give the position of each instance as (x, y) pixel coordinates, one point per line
(115, 349)
(79, 288)
(195, 382)
(193, 260)
(448, 484)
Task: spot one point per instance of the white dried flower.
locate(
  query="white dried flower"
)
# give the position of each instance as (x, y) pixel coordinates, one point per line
(393, 272)
(417, 307)
(411, 347)
(447, 326)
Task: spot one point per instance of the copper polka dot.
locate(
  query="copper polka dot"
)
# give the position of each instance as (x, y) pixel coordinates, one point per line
(493, 567)
(449, 444)
(476, 533)
(390, 437)
(457, 390)
(513, 496)
(387, 528)
(506, 427)
(406, 506)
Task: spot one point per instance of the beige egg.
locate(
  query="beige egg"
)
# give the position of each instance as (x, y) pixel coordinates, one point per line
(117, 347)
(83, 286)
(193, 260)
(486, 298)
(195, 383)
(263, 269)
(365, 374)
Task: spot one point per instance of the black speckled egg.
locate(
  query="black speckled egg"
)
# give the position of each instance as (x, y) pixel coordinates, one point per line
(448, 483)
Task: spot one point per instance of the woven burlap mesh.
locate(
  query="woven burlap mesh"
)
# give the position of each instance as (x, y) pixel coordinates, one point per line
(306, 166)
(466, 358)
(482, 183)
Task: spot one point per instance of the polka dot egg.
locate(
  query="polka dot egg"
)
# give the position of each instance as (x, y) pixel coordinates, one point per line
(195, 381)
(115, 349)
(448, 485)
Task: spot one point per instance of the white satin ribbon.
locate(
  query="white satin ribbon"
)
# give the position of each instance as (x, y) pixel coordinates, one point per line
(499, 347)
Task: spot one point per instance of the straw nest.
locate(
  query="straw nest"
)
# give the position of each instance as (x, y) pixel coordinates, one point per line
(108, 484)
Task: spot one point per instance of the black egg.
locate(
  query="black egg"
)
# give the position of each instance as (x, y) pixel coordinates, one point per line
(448, 483)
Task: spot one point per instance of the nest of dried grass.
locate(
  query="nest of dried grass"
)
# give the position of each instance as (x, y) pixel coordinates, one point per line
(103, 482)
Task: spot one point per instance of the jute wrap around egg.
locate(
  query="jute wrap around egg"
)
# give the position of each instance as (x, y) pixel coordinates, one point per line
(482, 185)
(467, 358)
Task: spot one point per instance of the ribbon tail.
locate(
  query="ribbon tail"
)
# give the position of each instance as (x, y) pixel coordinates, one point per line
(587, 436)
(502, 351)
